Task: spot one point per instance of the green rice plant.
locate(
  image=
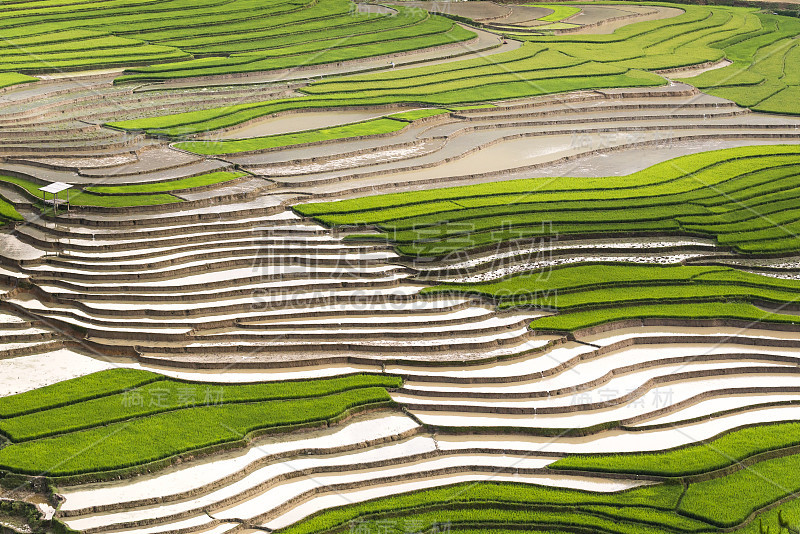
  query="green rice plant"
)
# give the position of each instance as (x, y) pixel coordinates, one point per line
(592, 519)
(774, 521)
(8, 211)
(557, 64)
(108, 58)
(556, 26)
(466, 240)
(93, 41)
(717, 453)
(712, 26)
(79, 389)
(659, 497)
(484, 220)
(603, 52)
(354, 50)
(734, 76)
(492, 216)
(759, 59)
(785, 101)
(416, 87)
(411, 116)
(560, 12)
(160, 436)
(172, 185)
(590, 294)
(292, 26)
(269, 18)
(791, 76)
(750, 219)
(197, 121)
(464, 85)
(750, 188)
(655, 293)
(169, 395)
(351, 25)
(667, 520)
(83, 198)
(380, 126)
(728, 501)
(125, 18)
(66, 38)
(468, 108)
(580, 277)
(646, 33)
(456, 69)
(749, 96)
(7, 79)
(429, 32)
(505, 87)
(528, 189)
(244, 15)
(568, 322)
(58, 36)
(743, 197)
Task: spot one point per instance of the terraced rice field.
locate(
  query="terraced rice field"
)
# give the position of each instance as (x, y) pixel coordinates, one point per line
(409, 267)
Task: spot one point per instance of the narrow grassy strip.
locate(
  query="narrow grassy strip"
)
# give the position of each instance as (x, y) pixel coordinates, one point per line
(168, 395)
(615, 520)
(715, 454)
(75, 390)
(559, 13)
(729, 500)
(661, 497)
(574, 282)
(8, 211)
(656, 293)
(568, 322)
(467, 108)
(467, 240)
(590, 294)
(83, 198)
(557, 26)
(411, 116)
(7, 79)
(773, 521)
(786, 100)
(379, 126)
(648, 516)
(172, 185)
(164, 435)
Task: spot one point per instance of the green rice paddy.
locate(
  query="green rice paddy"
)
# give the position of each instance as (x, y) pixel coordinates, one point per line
(741, 197)
(89, 424)
(745, 199)
(202, 180)
(707, 506)
(209, 36)
(84, 198)
(759, 44)
(380, 126)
